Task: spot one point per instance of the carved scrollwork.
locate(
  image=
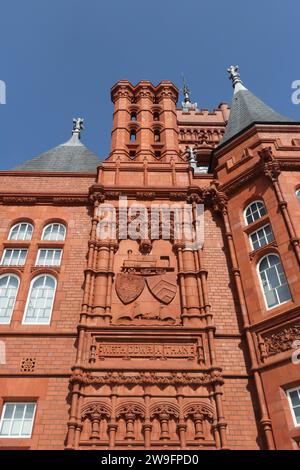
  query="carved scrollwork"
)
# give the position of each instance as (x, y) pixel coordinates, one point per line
(273, 343)
(96, 410)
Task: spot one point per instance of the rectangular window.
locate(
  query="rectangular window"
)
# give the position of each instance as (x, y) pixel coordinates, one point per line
(261, 237)
(17, 419)
(294, 400)
(48, 257)
(14, 257)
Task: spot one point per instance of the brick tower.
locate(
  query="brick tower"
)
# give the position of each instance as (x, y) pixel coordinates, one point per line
(116, 342)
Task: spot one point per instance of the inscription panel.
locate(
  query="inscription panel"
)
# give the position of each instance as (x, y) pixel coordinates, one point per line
(147, 350)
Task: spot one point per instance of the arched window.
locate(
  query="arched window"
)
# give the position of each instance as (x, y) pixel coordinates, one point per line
(273, 281)
(21, 231)
(132, 135)
(54, 232)
(40, 300)
(9, 285)
(133, 116)
(298, 194)
(156, 116)
(256, 210)
(156, 136)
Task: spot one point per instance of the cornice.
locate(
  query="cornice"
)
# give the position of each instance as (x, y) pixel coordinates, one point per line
(42, 198)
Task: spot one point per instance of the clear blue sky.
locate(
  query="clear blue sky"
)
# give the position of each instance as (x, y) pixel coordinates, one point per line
(59, 59)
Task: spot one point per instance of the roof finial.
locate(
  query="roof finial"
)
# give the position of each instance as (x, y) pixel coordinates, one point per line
(234, 76)
(77, 126)
(187, 105)
(185, 91)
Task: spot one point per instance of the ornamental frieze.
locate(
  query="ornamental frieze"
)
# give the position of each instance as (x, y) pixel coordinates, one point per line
(149, 378)
(279, 341)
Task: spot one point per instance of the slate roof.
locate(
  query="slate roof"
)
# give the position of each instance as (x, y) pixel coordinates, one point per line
(247, 109)
(69, 157)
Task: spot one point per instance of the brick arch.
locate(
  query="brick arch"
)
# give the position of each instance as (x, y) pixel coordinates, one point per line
(44, 270)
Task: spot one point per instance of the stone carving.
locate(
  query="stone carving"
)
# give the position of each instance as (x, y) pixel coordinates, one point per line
(163, 287)
(131, 281)
(133, 409)
(147, 378)
(162, 314)
(28, 364)
(270, 165)
(129, 287)
(199, 412)
(95, 411)
(147, 350)
(279, 341)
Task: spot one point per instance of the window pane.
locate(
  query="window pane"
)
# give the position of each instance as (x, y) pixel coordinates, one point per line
(41, 300)
(284, 293)
(9, 408)
(26, 428)
(295, 398)
(297, 414)
(19, 411)
(5, 428)
(271, 298)
(272, 277)
(54, 232)
(8, 292)
(255, 211)
(16, 427)
(21, 231)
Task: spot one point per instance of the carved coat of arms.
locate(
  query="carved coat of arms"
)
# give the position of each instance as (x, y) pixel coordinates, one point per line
(129, 287)
(139, 270)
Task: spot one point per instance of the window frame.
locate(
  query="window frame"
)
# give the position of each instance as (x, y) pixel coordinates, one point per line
(24, 322)
(297, 425)
(261, 284)
(32, 420)
(247, 207)
(13, 249)
(255, 231)
(48, 225)
(20, 239)
(13, 307)
(48, 265)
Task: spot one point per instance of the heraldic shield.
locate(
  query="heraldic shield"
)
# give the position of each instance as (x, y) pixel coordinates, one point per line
(129, 287)
(163, 287)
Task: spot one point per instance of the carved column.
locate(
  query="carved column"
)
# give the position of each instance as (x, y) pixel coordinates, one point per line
(112, 425)
(147, 426)
(181, 426)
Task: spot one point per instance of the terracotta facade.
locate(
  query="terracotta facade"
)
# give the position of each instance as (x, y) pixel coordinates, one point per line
(152, 345)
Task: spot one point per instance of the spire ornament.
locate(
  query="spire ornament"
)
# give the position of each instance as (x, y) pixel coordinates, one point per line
(234, 76)
(187, 104)
(77, 126)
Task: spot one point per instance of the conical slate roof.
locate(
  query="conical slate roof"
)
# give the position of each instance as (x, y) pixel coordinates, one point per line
(247, 109)
(69, 157)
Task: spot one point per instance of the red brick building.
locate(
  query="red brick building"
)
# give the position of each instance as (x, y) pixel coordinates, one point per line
(146, 343)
